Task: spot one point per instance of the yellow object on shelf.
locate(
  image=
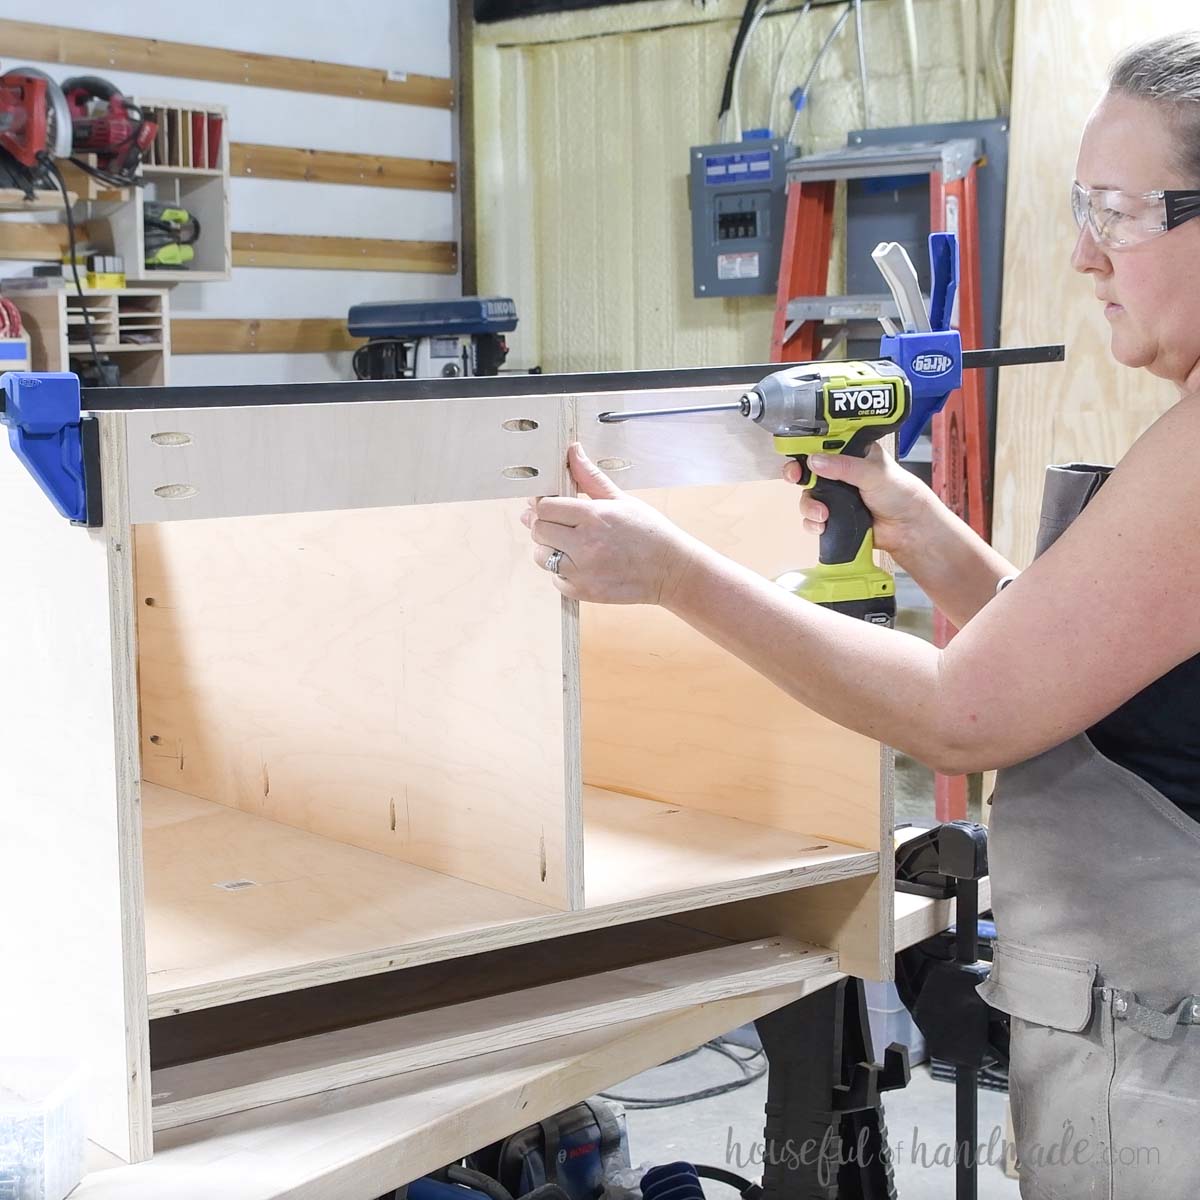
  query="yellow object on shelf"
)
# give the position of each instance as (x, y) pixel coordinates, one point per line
(106, 279)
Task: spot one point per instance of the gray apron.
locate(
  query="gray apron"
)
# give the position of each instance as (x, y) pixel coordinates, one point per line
(1096, 893)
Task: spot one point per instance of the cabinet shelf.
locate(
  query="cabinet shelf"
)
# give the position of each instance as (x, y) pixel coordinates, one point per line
(239, 906)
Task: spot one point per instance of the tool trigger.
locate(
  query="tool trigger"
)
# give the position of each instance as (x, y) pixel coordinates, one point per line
(806, 475)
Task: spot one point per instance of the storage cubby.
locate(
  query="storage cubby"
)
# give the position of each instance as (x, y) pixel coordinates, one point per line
(132, 325)
(187, 165)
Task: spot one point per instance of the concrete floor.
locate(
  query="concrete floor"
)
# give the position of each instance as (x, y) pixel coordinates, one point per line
(725, 1130)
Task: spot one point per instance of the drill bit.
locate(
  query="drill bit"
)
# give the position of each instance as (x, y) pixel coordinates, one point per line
(612, 418)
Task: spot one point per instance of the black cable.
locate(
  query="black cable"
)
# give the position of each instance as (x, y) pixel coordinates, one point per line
(746, 1187)
(735, 53)
(52, 167)
(750, 1074)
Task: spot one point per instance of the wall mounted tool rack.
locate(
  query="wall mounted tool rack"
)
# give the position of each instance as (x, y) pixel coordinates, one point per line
(298, 713)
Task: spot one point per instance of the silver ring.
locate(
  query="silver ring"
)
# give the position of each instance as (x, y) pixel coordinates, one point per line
(553, 562)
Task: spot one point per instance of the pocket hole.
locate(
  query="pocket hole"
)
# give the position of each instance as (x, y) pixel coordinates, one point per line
(171, 439)
(155, 740)
(175, 491)
(520, 425)
(520, 472)
(150, 602)
(613, 464)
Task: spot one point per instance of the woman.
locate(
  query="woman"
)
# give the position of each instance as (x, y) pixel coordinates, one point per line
(1080, 679)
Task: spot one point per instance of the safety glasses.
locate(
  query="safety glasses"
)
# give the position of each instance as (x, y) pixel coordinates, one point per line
(1118, 219)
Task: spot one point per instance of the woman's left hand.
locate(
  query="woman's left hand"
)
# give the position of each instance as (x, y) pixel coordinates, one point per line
(615, 549)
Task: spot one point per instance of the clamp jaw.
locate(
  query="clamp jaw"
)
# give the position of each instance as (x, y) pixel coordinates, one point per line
(927, 349)
(49, 435)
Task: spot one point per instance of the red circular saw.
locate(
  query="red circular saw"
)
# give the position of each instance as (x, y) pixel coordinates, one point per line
(108, 124)
(34, 116)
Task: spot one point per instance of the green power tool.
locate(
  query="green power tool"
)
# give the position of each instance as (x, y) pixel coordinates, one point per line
(828, 408)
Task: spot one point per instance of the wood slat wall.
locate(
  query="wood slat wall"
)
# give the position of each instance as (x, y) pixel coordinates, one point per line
(216, 335)
(343, 253)
(110, 51)
(47, 243)
(329, 166)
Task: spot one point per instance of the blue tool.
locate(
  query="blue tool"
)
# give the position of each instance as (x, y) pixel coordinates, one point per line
(927, 350)
(45, 431)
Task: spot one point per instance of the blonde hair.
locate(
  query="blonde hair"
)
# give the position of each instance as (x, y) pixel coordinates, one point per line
(1166, 71)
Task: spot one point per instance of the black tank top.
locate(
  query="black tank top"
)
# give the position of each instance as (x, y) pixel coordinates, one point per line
(1156, 735)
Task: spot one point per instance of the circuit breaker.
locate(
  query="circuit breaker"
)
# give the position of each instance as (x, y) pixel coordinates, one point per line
(738, 194)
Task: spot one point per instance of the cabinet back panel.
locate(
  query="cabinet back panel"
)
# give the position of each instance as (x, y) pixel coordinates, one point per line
(671, 716)
(388, 678)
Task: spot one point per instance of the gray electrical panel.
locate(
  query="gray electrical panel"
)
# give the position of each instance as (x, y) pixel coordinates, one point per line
(738, 194)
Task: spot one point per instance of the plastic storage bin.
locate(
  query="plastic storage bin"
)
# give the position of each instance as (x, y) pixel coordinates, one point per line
(41, 1128)
(892, 1022)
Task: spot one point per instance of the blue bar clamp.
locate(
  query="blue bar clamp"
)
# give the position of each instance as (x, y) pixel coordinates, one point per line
(45, 430)
(928, 350)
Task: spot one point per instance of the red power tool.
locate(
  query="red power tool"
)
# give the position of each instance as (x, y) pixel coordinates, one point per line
(115, 129)
(34, 116)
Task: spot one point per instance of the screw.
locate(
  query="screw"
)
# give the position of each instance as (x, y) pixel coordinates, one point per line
(1120, 1005)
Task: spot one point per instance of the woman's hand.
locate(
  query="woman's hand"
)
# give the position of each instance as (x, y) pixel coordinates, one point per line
(615, 549)
(898, 500)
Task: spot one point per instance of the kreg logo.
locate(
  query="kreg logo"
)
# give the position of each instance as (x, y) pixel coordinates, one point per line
(932, 364)
(862, 402)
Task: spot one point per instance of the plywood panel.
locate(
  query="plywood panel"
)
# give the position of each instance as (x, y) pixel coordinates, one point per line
(386, 678)
(1057, 54)
(311, 911)
(671, 716)
(309, 1066)
(70, 885)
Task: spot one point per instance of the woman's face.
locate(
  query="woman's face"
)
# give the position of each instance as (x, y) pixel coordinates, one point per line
(1149, 290)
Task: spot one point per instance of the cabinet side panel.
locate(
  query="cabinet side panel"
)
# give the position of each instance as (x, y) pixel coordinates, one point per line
(70, 903)
(671, 716)
(389, 678)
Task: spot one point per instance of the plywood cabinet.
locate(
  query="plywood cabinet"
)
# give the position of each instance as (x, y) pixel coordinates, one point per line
(351, 730)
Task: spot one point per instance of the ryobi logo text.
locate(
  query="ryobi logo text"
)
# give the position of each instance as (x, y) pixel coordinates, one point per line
(862, 402)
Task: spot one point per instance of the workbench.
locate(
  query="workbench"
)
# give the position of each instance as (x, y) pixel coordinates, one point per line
(362, 1141)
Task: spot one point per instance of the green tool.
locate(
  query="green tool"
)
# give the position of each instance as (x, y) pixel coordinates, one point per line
(828, 408)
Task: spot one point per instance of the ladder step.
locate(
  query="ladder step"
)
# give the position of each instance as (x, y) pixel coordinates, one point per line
(953, 158)
(867, 307)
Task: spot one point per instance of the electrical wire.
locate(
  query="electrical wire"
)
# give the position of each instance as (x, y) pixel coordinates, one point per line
(838, 26)
(52, 167)
(749, 1065)
(734, 54)
(862, 63)
(1000, 87)
(914, 65)
(10, 318)
(970, 50)
(777, 83)
(737, 70)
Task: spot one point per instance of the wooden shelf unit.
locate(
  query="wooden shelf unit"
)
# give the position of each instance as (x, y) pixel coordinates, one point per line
(353, 730)
(54, 320)
(187, 164)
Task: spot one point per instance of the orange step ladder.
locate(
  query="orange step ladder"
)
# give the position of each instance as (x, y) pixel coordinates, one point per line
(961, 470)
